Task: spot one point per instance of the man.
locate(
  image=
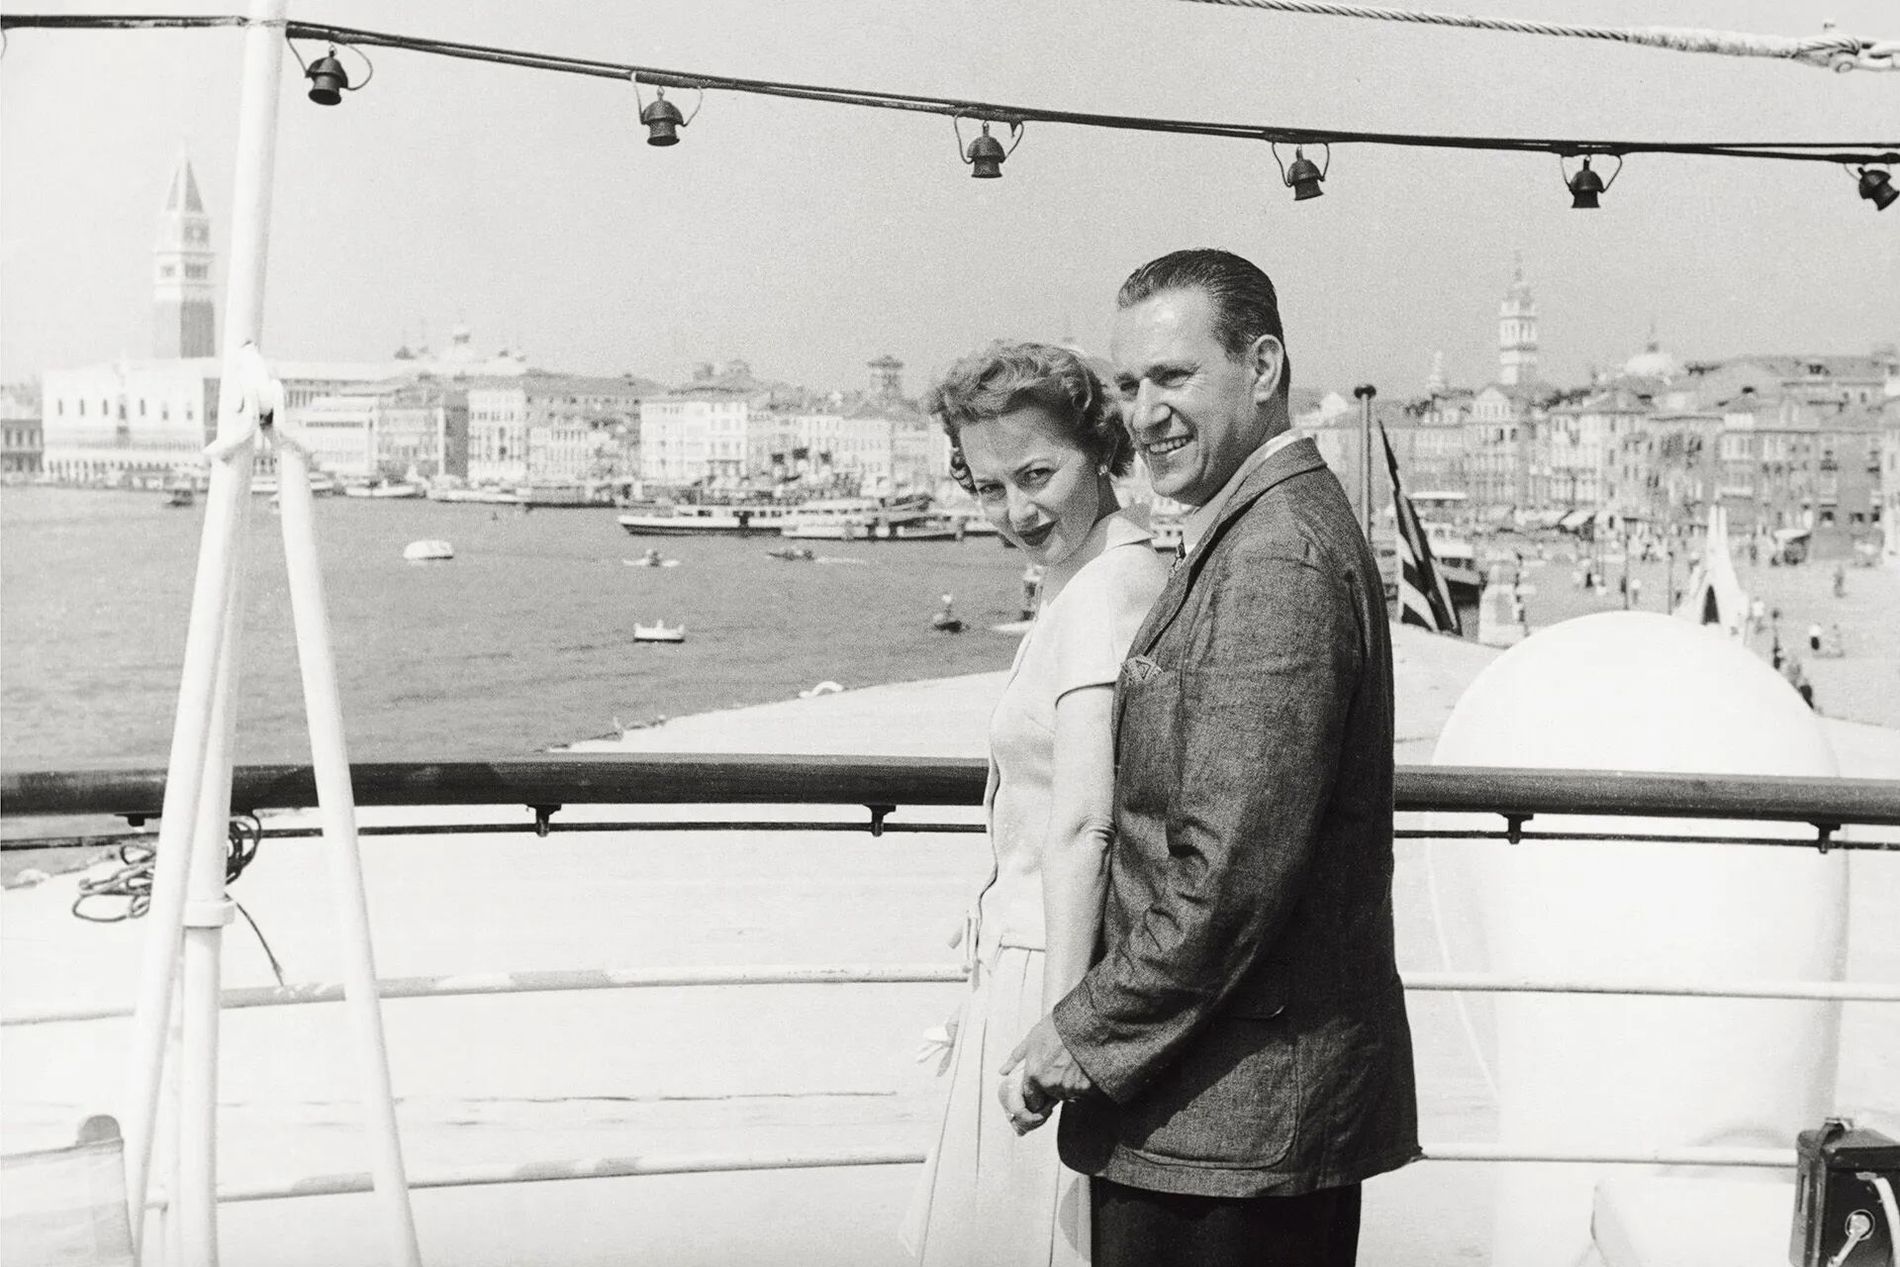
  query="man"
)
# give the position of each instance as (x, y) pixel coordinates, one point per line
(1238, 1058)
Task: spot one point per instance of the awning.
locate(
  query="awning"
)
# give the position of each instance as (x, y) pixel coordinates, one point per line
(1575, 520)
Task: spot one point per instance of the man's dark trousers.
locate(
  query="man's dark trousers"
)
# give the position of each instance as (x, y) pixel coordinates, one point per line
(1138, 1228)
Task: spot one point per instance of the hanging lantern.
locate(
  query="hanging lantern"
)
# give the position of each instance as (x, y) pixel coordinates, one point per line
(1586, 184)
(328, 80)
(1584, 188)
(1303, 175)
(1877, 187)
(985, 154)
(663, 120)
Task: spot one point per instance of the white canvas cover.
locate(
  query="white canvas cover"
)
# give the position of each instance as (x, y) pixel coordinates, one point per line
(1714, 594)
(65, 1207)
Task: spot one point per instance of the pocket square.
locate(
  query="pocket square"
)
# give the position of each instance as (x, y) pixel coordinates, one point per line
(1138, 669)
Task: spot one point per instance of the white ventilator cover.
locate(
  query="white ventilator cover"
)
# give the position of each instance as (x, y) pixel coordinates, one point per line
(1640, 691)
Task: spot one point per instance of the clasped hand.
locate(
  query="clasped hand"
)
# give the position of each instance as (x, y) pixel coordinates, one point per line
(1044, 1074)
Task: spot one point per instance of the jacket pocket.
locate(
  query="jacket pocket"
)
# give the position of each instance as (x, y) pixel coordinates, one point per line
(1234, 1100)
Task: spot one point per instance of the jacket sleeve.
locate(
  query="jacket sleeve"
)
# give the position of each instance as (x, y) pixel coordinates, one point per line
(1266, 682)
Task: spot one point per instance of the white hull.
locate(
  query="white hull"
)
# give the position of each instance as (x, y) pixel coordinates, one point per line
(705, 521)
(824, 532)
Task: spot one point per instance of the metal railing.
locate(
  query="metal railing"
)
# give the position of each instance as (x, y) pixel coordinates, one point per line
(545, 785)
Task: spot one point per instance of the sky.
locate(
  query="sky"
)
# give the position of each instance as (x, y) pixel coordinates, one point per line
(811, 238)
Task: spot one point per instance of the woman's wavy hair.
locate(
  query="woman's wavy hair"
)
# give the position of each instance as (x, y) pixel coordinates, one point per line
(1005, 377)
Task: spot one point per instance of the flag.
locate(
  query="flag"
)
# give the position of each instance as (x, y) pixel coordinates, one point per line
(1423, 597)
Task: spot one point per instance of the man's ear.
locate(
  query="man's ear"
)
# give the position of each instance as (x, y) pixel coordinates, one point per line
(1267, 357)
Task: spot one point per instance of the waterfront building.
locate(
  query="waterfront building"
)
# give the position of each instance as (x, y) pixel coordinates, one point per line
(1809, 379)
(1788, 463)
(1438, 443)
(184, 314)
(20, 436)
(1667, 469)
(1500, 433)
(422, 427)
(1583, 446)
(545, 427)
(147, 421)
(1337, 429)
(695, 435)
(339, 433)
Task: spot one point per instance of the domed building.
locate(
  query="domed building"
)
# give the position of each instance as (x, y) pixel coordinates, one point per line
(1653, 363)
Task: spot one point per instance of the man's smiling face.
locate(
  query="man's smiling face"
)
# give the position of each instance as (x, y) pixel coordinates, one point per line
(1194, 409)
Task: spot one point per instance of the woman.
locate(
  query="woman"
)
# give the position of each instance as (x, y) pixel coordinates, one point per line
(1035, 438)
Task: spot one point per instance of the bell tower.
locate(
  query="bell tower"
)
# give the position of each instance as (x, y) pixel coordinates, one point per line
(184, 318)
(887, 377)
(1517, 330)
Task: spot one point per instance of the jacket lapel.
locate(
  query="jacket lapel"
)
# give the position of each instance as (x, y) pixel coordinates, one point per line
(1296, 459)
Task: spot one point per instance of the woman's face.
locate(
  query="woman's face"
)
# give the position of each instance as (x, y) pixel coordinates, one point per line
(1033, 482)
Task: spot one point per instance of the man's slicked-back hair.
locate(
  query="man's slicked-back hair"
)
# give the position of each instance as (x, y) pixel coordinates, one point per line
(1245, 303)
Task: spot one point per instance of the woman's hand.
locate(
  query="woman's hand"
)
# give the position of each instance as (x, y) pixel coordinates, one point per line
(1023, 1115)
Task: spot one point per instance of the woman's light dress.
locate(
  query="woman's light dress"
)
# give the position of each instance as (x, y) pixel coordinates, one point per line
(986, 1195)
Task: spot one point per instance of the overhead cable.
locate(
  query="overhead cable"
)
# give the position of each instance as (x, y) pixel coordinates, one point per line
(1878, 152)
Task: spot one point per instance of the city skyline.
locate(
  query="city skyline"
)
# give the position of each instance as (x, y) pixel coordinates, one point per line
(878, 228)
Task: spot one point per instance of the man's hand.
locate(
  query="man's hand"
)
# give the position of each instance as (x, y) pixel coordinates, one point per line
(1049, 1072)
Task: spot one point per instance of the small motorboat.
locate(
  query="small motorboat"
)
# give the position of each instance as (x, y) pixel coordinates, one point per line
(430, 550)
(651, 559)
(793, 554)
(180, 496)
(946, 620)
(658, 631)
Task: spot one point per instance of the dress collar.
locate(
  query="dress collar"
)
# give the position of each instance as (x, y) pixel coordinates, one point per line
(1113, 529)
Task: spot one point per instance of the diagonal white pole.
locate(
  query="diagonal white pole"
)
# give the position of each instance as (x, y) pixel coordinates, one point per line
(336, 802)
(337, 812)
(185, 778)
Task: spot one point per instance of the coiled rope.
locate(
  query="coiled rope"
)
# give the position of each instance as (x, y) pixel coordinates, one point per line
(132, 882)
(1828, 50)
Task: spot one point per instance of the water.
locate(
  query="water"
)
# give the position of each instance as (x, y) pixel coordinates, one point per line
(522, 642)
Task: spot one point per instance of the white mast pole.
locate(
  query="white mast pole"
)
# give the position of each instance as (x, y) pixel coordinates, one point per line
(188, 781)
(194, 1188)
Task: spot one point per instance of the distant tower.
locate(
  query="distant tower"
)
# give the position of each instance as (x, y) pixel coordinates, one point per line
(887, 377)
(1435, 383)
(185, 321)
(1517, 330)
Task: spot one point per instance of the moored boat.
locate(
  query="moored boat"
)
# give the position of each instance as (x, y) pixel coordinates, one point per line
(843, 519)
(428, 550)
(387, 489)
(658, 631)
(699, 520)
